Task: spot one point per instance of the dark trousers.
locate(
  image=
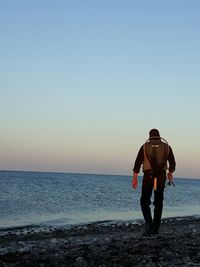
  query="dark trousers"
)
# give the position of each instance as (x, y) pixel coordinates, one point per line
(145, 201)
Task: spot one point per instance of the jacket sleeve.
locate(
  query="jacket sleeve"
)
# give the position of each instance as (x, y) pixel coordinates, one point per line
(139, 160)
(171, 160)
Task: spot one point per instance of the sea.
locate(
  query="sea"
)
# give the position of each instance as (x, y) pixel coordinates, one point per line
(65, 199)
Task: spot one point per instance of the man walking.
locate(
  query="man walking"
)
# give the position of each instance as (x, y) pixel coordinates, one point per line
(154, 156)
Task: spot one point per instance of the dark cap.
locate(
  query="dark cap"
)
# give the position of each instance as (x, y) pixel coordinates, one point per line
(154, 132)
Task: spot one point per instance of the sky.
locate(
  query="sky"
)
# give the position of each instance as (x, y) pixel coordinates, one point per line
(83, 82)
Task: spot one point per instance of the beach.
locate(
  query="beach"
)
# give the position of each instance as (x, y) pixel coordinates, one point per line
(106, 243)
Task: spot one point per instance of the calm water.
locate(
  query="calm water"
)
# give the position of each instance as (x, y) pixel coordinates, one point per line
(61, 199)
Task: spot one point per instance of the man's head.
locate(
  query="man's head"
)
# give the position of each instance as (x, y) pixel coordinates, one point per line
(154, 133)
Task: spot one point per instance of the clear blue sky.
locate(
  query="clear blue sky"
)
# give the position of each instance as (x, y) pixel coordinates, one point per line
(83, 82)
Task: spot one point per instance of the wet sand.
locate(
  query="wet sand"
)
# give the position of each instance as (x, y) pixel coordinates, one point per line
(104, 244)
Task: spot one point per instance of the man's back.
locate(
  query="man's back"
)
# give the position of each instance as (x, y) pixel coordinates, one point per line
(156, 154)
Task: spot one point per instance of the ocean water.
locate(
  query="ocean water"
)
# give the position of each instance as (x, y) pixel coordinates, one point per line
(66, 199)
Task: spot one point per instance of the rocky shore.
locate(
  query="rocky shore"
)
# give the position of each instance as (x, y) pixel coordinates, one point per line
(104, 244)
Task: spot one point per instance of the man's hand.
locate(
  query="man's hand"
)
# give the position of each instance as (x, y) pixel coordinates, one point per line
(169, 176)
(135, 180)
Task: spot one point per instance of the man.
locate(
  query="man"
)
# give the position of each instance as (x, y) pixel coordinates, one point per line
(153, 155)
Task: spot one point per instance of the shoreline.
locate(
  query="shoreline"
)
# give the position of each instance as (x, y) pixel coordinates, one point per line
(106, 243)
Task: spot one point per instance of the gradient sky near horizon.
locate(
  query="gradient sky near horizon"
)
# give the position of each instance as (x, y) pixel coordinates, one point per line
(83, 82)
